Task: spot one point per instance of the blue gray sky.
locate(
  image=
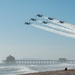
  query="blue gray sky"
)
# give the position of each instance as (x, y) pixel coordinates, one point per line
(23, 41)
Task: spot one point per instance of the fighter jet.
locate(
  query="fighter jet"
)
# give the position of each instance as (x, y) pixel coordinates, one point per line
(28, 23)
(44, 22)
(39, 15)
(33, 19)
(50, 18)
(61, 21)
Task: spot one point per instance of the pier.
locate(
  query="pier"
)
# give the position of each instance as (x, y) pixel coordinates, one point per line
(38, 62)
(11, 60)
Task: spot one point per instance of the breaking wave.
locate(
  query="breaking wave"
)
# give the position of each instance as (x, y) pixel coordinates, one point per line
(23, 69)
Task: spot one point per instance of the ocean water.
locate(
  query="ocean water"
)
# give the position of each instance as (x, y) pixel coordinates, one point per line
(23, 69)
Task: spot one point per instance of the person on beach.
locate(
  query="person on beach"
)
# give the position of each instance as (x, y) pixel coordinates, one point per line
(66, 69)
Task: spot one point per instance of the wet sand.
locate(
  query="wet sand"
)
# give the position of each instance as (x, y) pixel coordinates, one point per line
(59, 72)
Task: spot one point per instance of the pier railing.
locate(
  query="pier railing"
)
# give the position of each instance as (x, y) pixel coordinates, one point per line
(39, 62)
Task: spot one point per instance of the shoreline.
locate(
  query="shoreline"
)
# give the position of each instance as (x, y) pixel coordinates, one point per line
(57, 72)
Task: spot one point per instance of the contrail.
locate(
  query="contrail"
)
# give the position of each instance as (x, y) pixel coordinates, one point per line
(69, 26)
(58, 27)
(53, 31)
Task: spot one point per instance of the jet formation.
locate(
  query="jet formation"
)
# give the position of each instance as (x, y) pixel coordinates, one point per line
(53, 25)
(44, 22)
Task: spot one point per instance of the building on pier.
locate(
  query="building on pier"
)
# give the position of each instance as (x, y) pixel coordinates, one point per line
(62, 60)
(9, 59)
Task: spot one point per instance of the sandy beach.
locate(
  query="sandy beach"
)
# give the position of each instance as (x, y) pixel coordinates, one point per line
(59, 72)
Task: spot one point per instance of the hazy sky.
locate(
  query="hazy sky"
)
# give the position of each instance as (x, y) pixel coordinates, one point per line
(23, 41)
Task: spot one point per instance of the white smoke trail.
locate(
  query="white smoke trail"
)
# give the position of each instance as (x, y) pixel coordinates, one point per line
(53, 31)
(58, 27)
(68, 26)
